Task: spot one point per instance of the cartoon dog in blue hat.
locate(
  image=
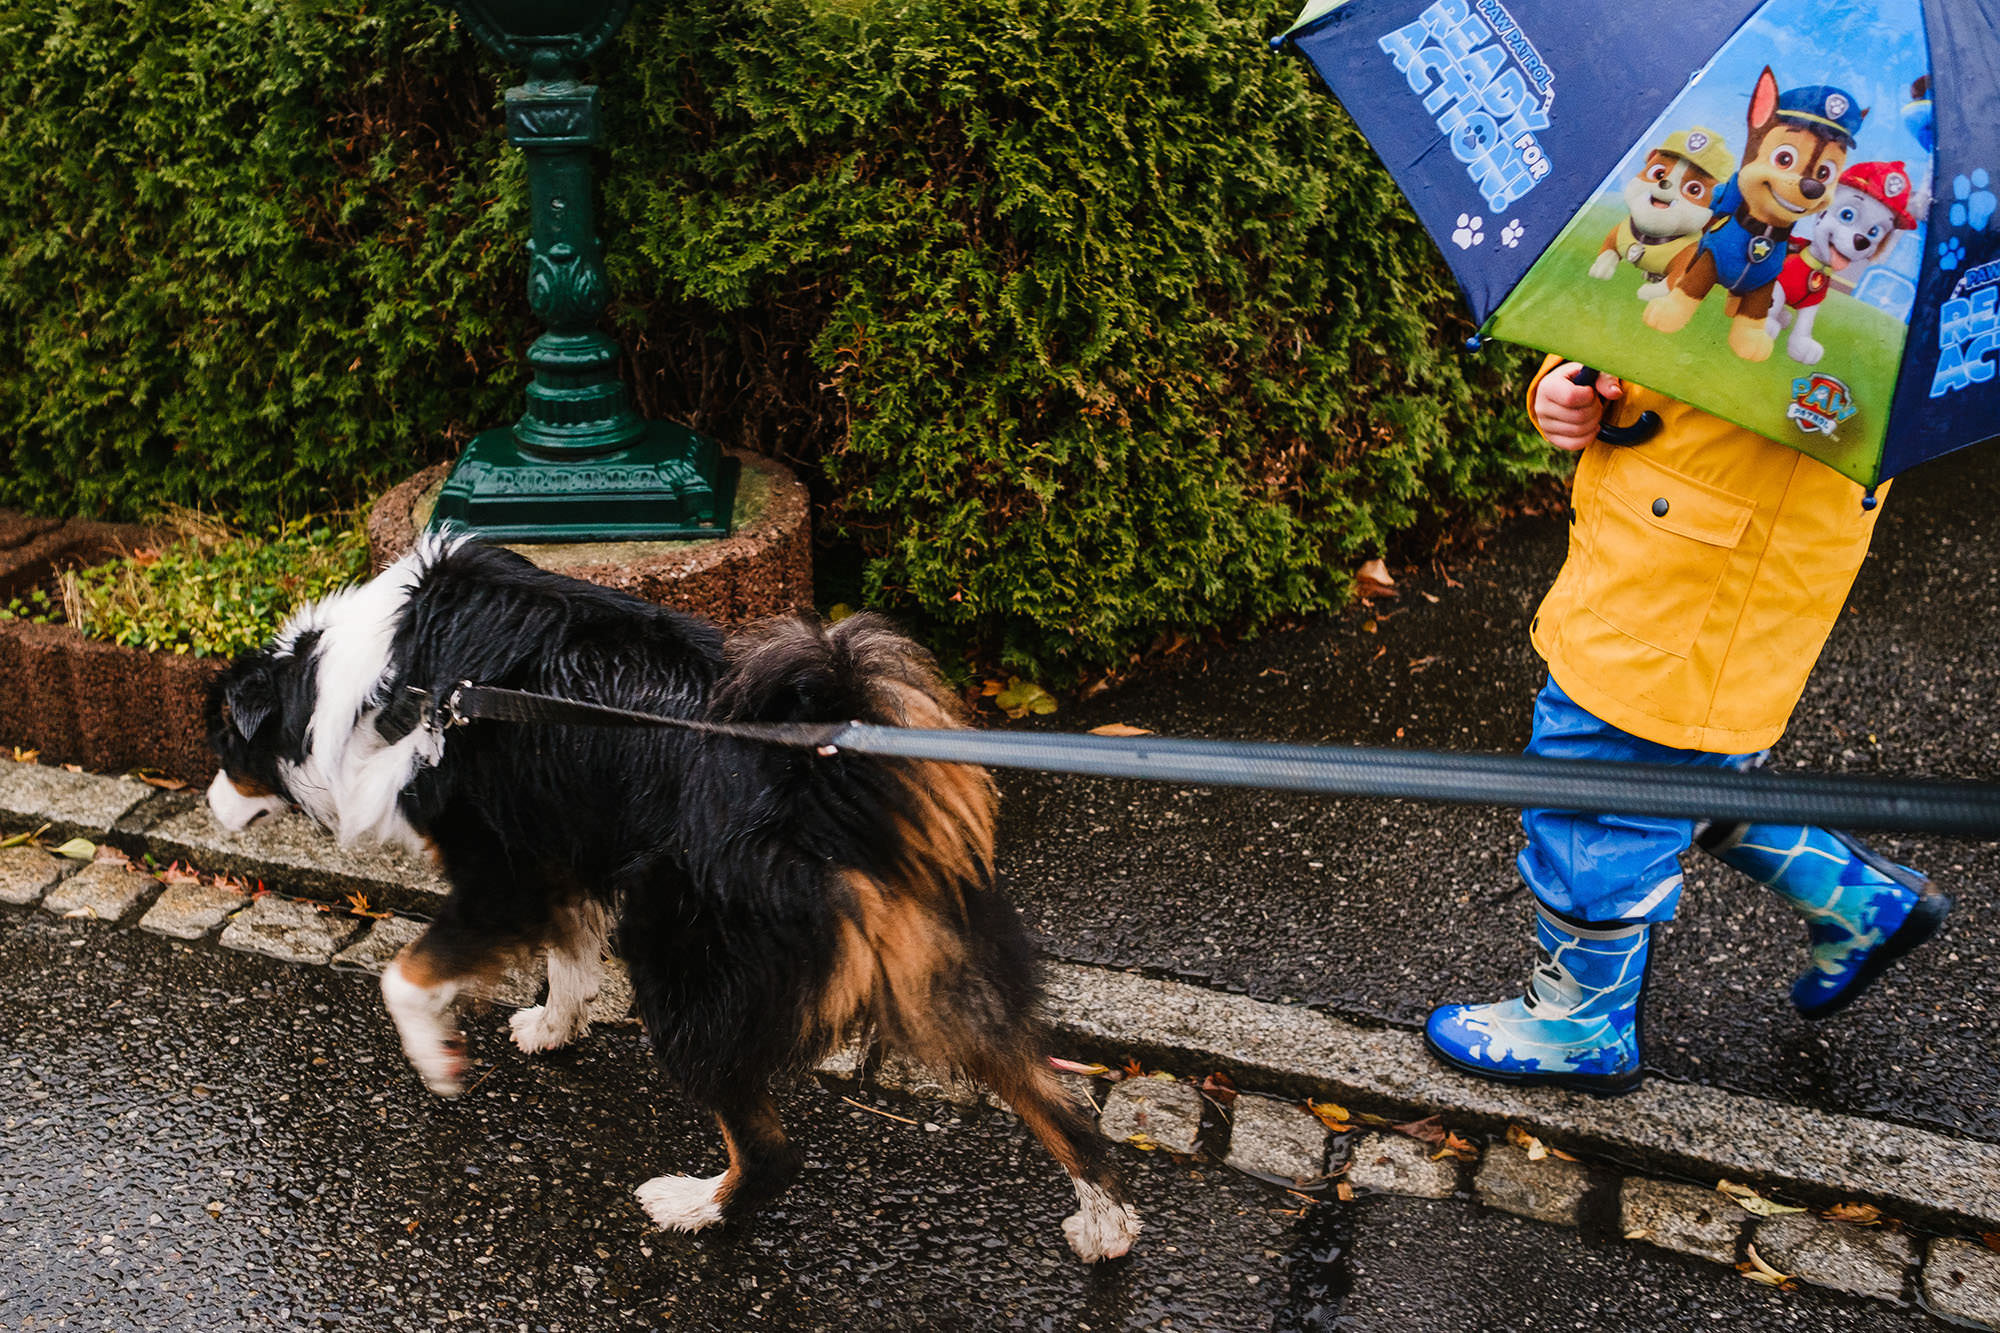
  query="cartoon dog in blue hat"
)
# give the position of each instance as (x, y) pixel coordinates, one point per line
(1799, 141)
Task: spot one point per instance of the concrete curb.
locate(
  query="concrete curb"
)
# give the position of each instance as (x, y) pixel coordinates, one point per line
(1685, 1130)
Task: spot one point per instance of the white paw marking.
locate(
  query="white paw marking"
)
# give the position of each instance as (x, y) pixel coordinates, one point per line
(1101, 1227)
(681, 1203)
(435, 1048)
(537, 1029)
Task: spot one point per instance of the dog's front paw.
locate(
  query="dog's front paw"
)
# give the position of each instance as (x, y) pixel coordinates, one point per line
(1605, 265)
(537, 1029)
(681, 1203)
(440, 1062)
(1653, 289)
(1748, 340)
(1804, 350)
(1671, 312)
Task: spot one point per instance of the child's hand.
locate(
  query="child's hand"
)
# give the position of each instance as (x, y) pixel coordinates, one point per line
(1570, 413)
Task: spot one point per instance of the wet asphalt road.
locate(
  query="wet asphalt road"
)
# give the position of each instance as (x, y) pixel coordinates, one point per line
(201, 1140)
(1379, 910)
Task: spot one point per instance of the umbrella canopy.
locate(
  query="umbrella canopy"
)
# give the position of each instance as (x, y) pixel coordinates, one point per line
(1785, 212)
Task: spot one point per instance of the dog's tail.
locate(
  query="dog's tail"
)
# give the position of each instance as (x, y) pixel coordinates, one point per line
(922, 823)
(917, 943)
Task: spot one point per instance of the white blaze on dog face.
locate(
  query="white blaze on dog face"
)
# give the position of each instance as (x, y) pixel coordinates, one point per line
(236, 807)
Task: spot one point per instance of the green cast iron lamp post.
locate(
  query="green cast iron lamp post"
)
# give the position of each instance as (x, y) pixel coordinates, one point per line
(580, 465)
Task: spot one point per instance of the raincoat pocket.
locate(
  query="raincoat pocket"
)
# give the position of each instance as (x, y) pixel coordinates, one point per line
(1662, 544)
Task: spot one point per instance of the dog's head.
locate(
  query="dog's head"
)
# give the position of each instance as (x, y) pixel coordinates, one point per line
(1799, 141)
(1675, 189)
(258, 714)
(1870, 205)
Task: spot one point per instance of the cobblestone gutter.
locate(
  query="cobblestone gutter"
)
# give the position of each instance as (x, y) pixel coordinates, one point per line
(1905, 1204)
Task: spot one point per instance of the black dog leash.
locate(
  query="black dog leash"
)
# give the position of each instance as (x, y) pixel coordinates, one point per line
(1903, 805)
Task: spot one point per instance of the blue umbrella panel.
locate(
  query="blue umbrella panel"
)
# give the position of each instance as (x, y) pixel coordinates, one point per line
(1781, 212)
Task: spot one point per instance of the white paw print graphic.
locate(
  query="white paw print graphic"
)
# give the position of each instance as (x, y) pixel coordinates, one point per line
(1511, 234)
(1470, 231)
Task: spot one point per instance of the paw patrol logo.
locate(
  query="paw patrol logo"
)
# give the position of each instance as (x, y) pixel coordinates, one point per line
(1836, 106)
(1819, 403)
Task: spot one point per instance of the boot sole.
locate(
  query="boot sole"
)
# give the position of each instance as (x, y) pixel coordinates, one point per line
(1598, 1085)
(1922, 923)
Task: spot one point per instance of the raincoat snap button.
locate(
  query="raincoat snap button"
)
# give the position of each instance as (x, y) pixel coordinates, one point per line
(1660, 507)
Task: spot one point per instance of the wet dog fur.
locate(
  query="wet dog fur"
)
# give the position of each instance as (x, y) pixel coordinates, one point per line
(769, 903)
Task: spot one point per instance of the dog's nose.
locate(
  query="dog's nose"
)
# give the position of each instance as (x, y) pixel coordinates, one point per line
(1812, 189)
(1860, 243)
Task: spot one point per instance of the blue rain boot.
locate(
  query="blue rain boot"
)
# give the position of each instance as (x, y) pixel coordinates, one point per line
(1578, 1024)
(1863, 912)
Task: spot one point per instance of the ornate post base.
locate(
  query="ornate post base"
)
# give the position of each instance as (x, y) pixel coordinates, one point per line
(658, 488)
(580, 465)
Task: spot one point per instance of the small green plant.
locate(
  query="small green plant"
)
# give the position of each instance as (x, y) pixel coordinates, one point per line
(208, 591)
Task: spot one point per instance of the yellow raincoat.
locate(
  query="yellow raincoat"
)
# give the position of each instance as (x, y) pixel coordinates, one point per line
(1706, 568)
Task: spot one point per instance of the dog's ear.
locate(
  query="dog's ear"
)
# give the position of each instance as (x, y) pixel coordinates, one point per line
(250, 698)
(1764, 101)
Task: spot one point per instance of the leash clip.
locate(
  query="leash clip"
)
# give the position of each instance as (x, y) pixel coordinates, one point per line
(452, 715)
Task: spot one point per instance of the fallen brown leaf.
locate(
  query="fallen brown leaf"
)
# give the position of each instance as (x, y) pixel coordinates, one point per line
(1861, 1214)
(1372, 580)
(1428, 1130)
(1119, 729)
(1343, 1191)
(163, 783)
(1454, 1146)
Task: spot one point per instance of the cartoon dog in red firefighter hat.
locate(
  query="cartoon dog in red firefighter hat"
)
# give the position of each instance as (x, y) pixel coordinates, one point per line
(1871, 203)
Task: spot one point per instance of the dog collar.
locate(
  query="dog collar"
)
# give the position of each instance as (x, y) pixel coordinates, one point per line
(408, 708)
(1648, 239)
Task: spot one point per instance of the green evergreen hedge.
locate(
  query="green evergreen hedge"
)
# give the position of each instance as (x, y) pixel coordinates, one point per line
(1088, 320)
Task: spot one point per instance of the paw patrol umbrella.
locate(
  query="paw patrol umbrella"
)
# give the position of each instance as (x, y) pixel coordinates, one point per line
(1781, 212)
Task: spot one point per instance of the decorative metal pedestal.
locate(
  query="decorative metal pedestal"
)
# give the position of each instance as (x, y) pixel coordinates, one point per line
(580, 465)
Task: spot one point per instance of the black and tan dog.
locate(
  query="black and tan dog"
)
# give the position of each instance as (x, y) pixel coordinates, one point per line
(768, 902)
(1799, 141)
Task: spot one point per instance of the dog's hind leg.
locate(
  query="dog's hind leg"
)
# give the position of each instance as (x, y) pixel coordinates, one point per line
(762, 1162)
(1105, 1223)
(576, 968)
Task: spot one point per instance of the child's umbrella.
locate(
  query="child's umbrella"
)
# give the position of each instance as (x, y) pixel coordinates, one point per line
(1786, 213)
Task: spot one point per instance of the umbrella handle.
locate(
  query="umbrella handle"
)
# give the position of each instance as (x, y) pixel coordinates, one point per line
(1640, 431)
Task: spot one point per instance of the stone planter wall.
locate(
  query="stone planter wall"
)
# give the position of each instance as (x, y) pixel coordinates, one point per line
(79, 701)
(107, 708)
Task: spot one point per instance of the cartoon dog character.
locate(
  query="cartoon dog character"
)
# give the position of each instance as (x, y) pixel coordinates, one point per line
(1799, 141)
(1870, 205)
(1669, 204)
